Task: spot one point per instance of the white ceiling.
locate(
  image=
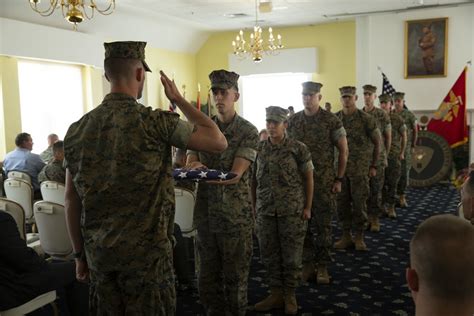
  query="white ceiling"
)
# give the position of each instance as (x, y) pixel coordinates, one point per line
(166, 20)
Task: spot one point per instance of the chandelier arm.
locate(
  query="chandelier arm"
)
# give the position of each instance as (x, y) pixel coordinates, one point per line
(64, 6)
(107, 11)
(46, 12)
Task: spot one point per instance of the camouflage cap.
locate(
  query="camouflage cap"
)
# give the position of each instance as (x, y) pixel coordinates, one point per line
(369, 88)
(385, 98)
(276, 113)
(311, 87)
(224, 79)
(127, 50)
(399, 95)
(347, 91)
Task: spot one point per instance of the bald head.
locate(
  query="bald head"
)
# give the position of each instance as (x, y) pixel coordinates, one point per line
(442, 254)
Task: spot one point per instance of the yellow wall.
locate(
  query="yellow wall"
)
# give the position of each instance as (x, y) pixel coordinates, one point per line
(336, 46)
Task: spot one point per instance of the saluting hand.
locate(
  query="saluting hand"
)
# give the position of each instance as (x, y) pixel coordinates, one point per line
(171, 91)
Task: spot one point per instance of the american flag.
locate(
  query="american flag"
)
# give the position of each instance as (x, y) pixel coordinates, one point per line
(387, 86)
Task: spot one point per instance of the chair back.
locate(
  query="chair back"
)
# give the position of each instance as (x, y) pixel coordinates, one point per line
(17, 212)
(51, 223)
(15, 174)
(53, 191)
(21, 192)
(185, 201)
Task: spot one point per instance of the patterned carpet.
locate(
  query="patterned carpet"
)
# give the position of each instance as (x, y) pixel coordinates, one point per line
(371, 283)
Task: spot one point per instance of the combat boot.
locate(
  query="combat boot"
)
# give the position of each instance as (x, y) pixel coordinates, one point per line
(359, 241)
(391, 212)
(375, 225)
(291, 306)
(345, 241)
(403, 201)
(323, 275)
(308, 272)
(274, 300)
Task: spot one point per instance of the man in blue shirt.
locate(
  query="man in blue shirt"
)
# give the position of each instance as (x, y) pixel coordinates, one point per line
(22, 159)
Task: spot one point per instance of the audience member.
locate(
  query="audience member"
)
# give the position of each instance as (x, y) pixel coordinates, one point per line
(291, 111)
(119, 189)
(327, 106)
(47, 154)
(441, 272)
(24, 275)
(467, 196)
(54, 170)
(22, 159)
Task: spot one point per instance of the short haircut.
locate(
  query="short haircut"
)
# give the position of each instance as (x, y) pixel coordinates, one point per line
(442, 254)
(58, 146)
(21, 138)
(120, 68)
(51, 136)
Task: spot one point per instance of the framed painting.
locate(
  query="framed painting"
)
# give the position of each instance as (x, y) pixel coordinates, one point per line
(426, 48)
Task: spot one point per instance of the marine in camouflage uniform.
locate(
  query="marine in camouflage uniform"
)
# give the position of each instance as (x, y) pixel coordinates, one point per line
(412, 132)
(396, 154)
(118, 157)
(363, 138)
(223, 214)
(54, 170)
(322, 132)
(47, 154)
(282, 193)
(374, 202)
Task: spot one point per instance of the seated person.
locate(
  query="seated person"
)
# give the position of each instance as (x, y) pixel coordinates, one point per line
(180, 162)
(467, 196)
(47, 154)
(441, 273)
(54, 170)
(22, 159)
(24, 275)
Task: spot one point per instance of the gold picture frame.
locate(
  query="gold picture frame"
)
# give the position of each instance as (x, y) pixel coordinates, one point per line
(426, 48)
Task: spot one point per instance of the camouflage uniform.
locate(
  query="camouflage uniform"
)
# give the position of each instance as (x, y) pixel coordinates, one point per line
(224, 221)
(410, 120)
(185, 184)
(352, 201)
(374, 203)
(47, 155)
(53, 171)
(320, 132)
(279, 173)
(392, 173)
(119, 156)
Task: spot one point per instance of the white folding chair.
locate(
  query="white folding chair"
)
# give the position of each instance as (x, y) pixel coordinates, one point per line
(18, 214)
(51, 223)
(53, 191)
(185, 201)
(21, 192)
(14, 174)
(32, 305)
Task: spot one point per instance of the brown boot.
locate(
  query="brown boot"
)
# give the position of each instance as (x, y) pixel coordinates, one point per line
(308, 272)
(359, 241)
(391, 211)
(274, 300)
(345, 241)
(375, 225)
(323, 275)
(403, 201)
(291, 306)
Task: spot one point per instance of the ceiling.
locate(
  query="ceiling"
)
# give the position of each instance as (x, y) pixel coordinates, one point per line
(212, 15)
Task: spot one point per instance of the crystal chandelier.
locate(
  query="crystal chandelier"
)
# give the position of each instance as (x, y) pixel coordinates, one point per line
(256, 47)
(73, 11)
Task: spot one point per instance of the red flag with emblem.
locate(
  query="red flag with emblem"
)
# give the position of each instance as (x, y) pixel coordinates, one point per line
(449, 121)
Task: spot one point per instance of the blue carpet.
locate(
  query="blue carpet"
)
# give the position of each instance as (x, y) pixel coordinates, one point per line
(363, 283)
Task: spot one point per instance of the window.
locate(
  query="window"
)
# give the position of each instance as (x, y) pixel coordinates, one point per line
(51, 98)
(261, 91)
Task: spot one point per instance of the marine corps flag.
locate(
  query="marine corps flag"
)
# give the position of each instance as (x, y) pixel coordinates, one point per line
(449, 121)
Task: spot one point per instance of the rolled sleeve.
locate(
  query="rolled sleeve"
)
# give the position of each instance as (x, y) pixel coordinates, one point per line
(246, 153)
(307, 166)
(181, 135)
(337, 134)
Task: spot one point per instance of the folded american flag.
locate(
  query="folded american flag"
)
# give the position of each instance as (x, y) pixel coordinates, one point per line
(201, 174)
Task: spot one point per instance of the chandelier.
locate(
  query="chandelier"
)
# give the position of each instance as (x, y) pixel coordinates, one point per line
(73, 11)
(255, 48)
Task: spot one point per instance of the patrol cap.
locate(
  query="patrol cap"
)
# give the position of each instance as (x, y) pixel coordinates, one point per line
(399, 95)
(223, 79)
(277, 114)
(127, 50)
(369, 88)
(310, 87)
(347, 91)
(385, 98)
